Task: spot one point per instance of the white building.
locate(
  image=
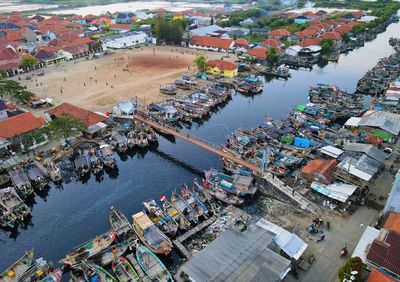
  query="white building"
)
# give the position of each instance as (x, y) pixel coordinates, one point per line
(124, 40)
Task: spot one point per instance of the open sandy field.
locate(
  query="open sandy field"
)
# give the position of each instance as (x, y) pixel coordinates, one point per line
(99, 83)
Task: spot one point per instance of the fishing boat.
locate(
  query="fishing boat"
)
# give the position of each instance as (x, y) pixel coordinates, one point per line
(93, 272)
(10, 200)
(21, 182)
(54, 172)
(150, 134)
(37, 176)
(105, 257)
(39, 271)
(119, 222)
(182, 84)
(141, 140)
(107, 155)
(184, 207)
(219, 194)
(18, 269)
(150, 235)
(194, 202)
(120, 142)
(123, 270)
(256, 85)
(96, 165)
(89, 249)
(281, 71)
(172, 211)
(166, 223)
(131, 136)
(74, 278)
(205, 198)
(240, 185)
(81, 163)
(168, 89)
(152, 265)
(54, 276)
(7, 217)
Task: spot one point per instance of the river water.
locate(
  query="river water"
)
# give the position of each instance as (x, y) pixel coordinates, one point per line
(70, 215)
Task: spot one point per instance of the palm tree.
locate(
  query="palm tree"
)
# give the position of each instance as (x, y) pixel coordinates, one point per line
(201, 62)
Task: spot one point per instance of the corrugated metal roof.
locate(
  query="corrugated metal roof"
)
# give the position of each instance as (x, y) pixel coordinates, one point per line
(331, 151)
(389, 122)
(393, 202)
(353, 121)
(368, 149)
(362, 167)
(238, 256)
(337, 191)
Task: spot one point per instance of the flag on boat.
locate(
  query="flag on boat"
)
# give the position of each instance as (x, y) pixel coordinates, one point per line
(163, 198)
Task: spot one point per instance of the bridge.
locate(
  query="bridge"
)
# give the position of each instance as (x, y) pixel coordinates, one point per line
(274, 181)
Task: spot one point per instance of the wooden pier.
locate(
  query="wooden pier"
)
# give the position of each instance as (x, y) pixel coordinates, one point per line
(178, 241)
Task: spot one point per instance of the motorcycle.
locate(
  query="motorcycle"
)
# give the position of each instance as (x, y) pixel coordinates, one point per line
(343, 251)
(321, 238)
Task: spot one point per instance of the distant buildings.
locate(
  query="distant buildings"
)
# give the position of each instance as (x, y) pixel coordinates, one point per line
(124, 40)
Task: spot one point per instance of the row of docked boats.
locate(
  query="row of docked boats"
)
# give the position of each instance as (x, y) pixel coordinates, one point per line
(248, 85)
(185, 83)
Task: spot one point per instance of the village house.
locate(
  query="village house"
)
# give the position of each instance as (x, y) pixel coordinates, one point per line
(301, 19)
(319, 170)
(222, 68)
(271, 43)
(124, 40)
(242, 43)
(211, 43)
(280, 34)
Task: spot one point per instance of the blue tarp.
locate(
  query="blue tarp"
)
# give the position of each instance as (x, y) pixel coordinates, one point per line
(301, 142)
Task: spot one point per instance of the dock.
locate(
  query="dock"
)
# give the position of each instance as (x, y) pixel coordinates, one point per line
(178, 241)
(143, 277)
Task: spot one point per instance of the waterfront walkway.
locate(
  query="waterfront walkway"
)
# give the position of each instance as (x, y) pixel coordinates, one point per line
(278, 184)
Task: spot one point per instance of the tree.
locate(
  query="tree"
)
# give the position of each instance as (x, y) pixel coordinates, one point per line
(29, 62)
(66, 126)
(345, 37)
(272, 57)
(353, 264)
(212, 21)
(201, 62)
(326, 45)
(358, 29)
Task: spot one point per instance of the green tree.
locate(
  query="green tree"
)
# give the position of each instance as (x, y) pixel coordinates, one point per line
(201, 62)
(66, 126)
(353, 264)
(29, 62)
(272, 57)
(358, 29)
(326, 45)
(345, 37)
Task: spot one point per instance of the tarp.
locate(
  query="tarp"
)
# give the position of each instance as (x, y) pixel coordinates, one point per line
(300, 108)
(301, 142)
(384, 136)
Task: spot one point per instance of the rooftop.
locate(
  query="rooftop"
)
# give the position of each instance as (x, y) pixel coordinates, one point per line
(20, 124)
(392, 222)
(387, 121)
(221, 65)
(223, 43)
(377, 276)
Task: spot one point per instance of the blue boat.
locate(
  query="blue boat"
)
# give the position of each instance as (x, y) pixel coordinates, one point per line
(152, 265)
(238, 184)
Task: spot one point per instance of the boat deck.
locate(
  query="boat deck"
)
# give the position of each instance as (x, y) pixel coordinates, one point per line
(143, 277)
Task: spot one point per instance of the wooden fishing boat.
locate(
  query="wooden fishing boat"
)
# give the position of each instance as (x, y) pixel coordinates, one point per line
(7, 217)
(54, 172)
(239, 184)
(81, 164)
(120, 142)
(107, 155)
(123, 270)
(184, 208)
(172, 211)
(106, 256)
(205, 198)
(150, 235)
(75, 278)
(132, 136)
(168, 89)
(21, 182)
(141, 140)
(96, 165)
(119, 223)
(93, 272)
(55, 276)
(219, 194)
(10, 200)
(152, 265)
(89, 249)
(166, 223)
(190, 199)
(182, 84)
(37, 176)
(17, 269)
(150, 134)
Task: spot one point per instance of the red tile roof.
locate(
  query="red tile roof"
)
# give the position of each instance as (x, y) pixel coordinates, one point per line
(121, 26)
(20, 124)
(241, 42)
(392, 222)
(377, 276)
(76, 49)
(310, 42)
(386, 253)
(332, 35)
(215, 42)
(319, 166)
(344, 28)
(8, 54)
(87, 117)
(261, 52)
(221, 65)
(271, 43)
(278, 33)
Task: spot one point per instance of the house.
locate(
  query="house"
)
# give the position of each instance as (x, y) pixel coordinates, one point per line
(9, 60)
(357, 170)
(89, 119)
(271, 43)
(77, 50)
(124, 18)
(238, 256)
(211, 43)
(336, 37)
(319, 170)
(121, 27)
(260, 53)
(377, 276)
(222, 68)
(124, 40)
(367, 149)
(13, 127)
(310, 42)
(301, 19)
(279, 34)
(241, 43)
(392, 222)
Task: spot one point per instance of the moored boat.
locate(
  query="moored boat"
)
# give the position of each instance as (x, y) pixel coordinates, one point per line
(54, 172)
(89, 249)
(184, 208)
(131, 139)
(123, 270)
(81, 163)
(166, 223)
(37, 176)
(172, 211)
(7, 217)
(96, 165)
(150, 235)
(93, 272)
(21, 182)
(150, 134)
(152, 265)
(119, 223)
(120, 142)
(168, 89)
(107, 155)
(240, 185)
(191, 199)
(9, 199)
(17, 269)
(141, 140)
(219, 194)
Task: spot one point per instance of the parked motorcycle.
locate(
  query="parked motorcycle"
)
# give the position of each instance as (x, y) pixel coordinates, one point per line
(343, 251)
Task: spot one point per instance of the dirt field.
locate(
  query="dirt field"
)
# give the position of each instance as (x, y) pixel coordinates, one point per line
(99, 83)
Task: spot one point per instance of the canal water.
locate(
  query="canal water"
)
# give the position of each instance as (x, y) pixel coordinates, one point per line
(76, 212)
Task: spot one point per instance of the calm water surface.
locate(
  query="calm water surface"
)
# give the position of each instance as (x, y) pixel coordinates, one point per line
(78, 211)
